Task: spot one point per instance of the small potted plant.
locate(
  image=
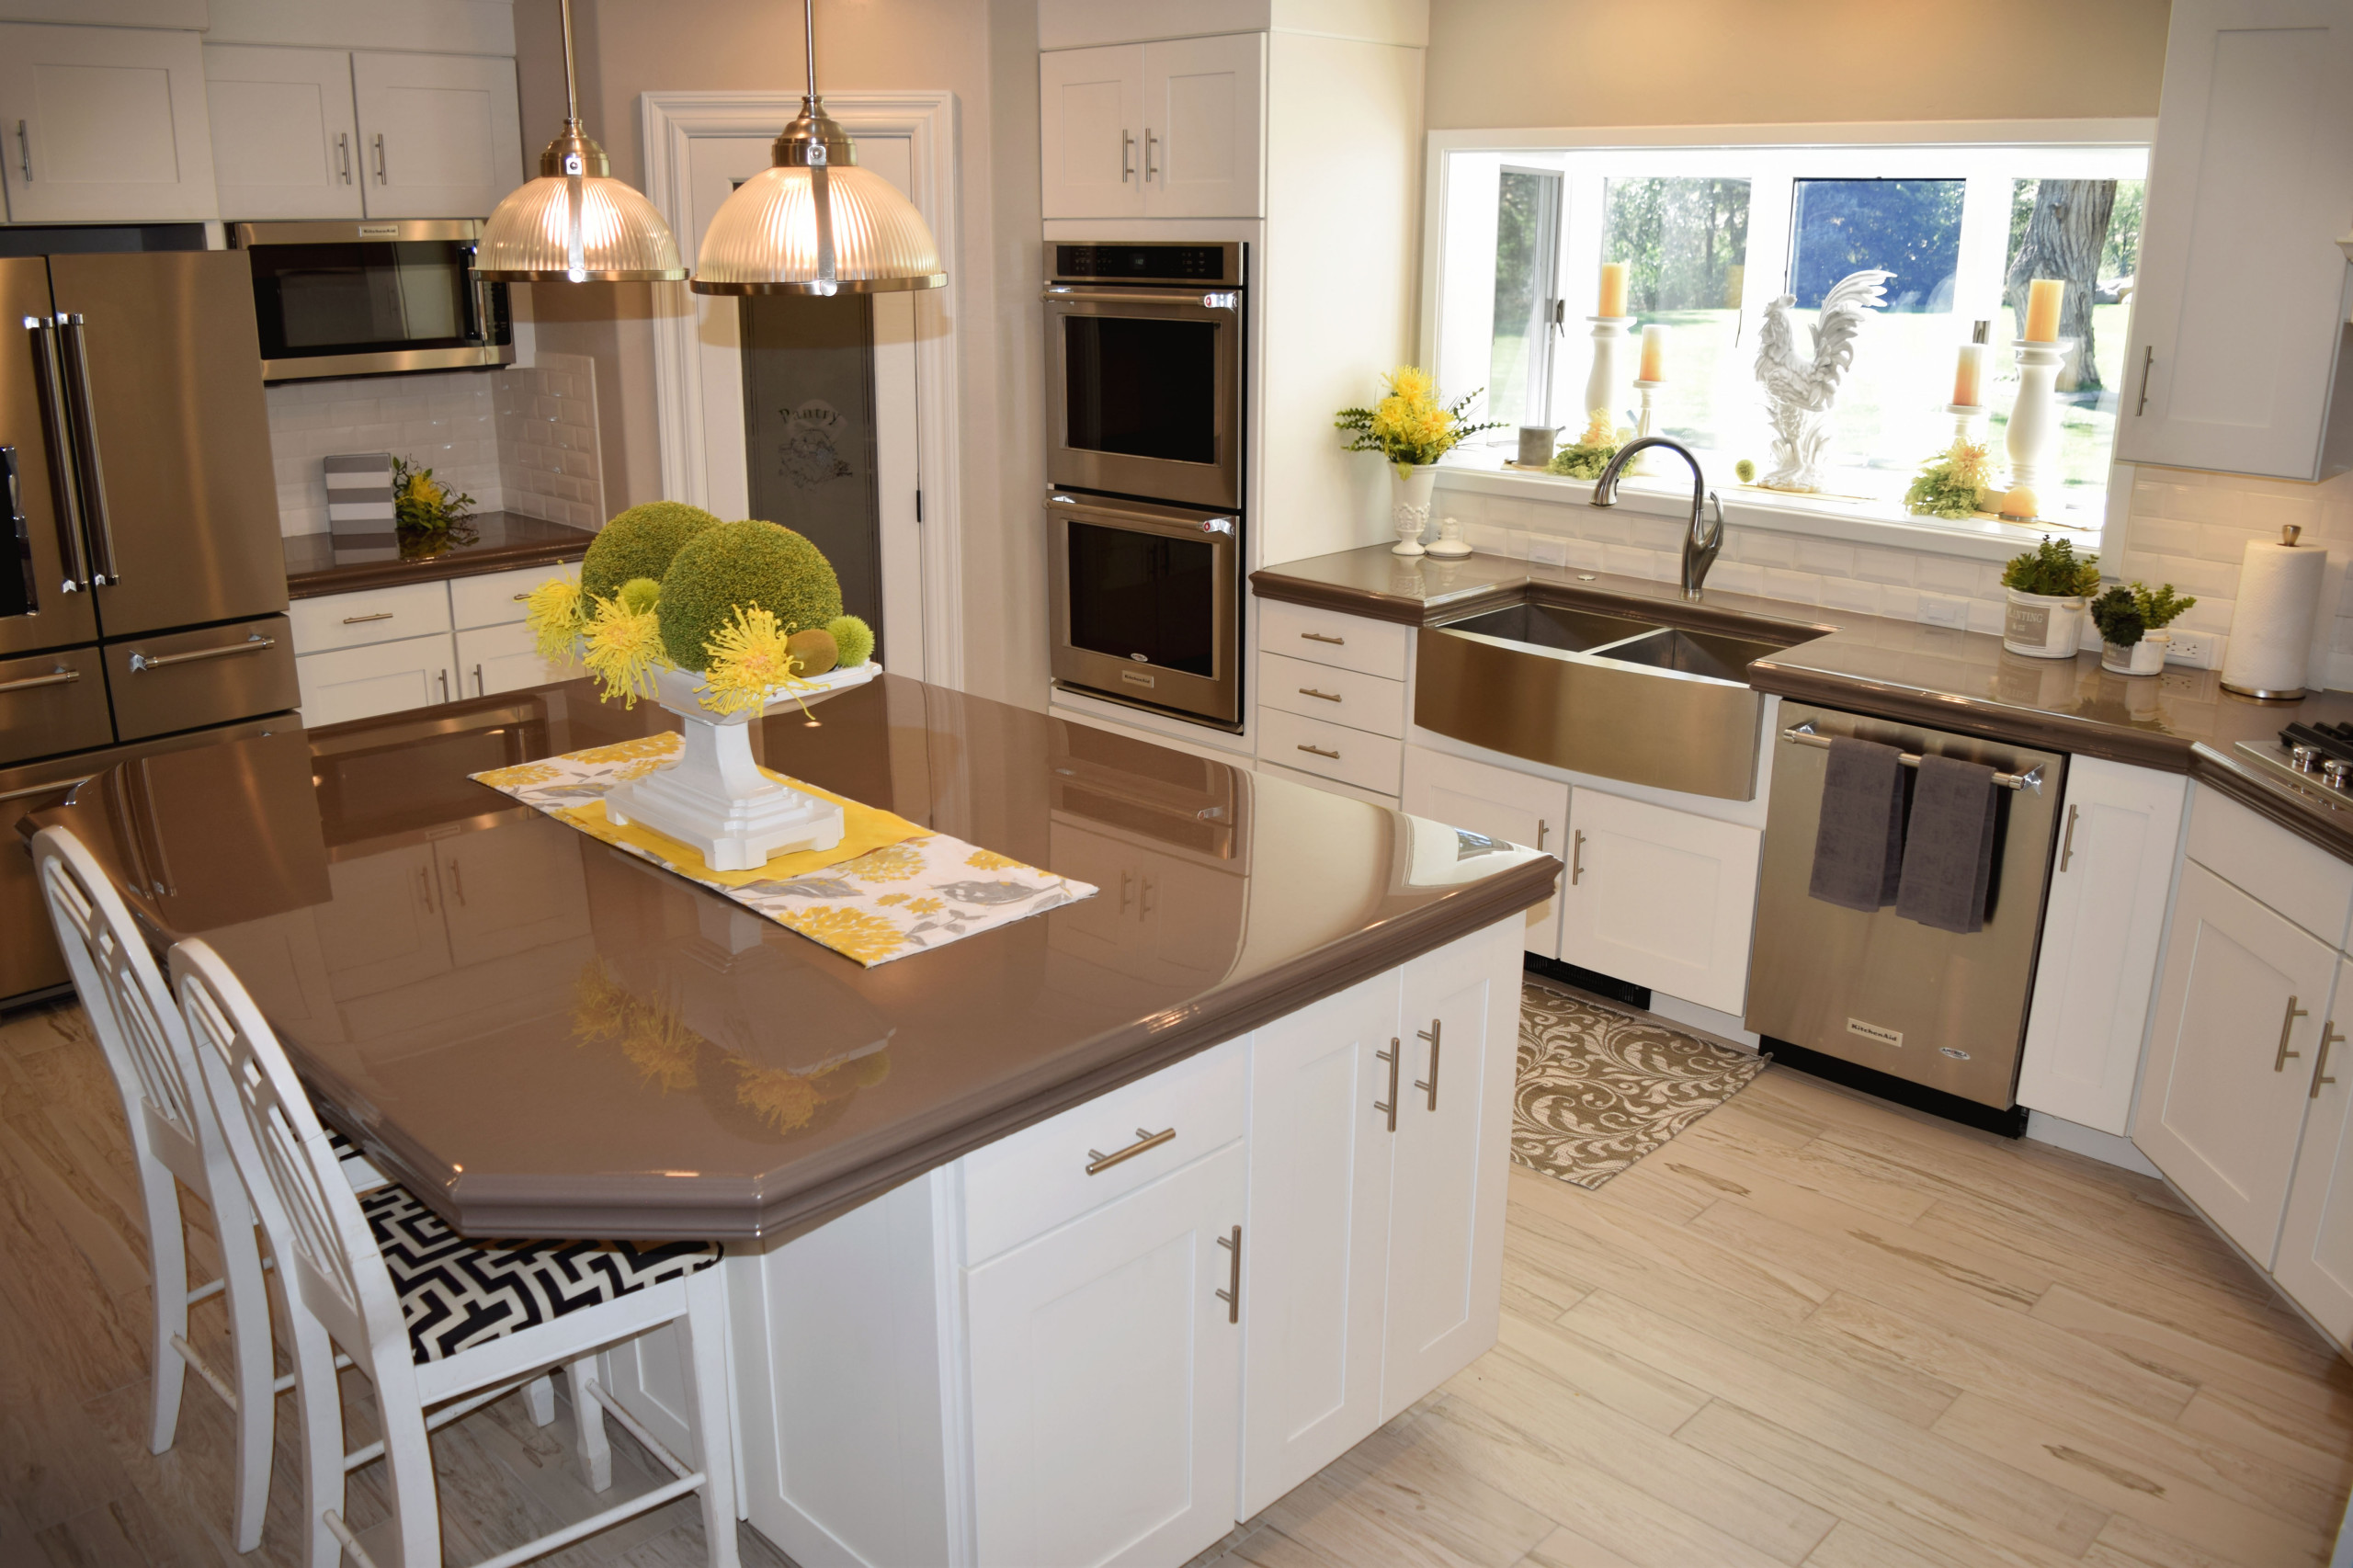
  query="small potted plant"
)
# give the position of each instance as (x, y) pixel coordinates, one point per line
(2131, 622)
(2048, 588)
(1411, 429)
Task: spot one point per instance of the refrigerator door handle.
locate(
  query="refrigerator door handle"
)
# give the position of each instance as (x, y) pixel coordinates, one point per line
(83, 404)
(57, 439)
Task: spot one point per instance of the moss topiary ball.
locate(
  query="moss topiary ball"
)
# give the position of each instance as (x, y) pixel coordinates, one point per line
(854, 638)
(640, 543)
(753, 565)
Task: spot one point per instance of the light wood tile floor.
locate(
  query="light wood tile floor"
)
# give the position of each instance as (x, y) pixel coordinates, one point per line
(1815, 1329)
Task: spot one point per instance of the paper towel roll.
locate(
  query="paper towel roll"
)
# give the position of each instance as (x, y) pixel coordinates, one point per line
(2271, 629)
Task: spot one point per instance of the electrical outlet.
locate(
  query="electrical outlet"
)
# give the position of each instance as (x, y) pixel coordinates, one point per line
(2195, 649)
(1944, 609)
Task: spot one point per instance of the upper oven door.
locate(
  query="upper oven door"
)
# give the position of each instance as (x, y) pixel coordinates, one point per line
(1145, 391)
(337, 298)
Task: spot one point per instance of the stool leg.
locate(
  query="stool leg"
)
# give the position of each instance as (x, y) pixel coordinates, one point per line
(596, 1451)
(167, 1281)
(257, 1413)
(538, 1398)
(706, 1323)
(408, 1469)
(319, 1402)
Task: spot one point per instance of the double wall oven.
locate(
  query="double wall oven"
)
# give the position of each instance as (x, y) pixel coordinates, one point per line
(1146, 347)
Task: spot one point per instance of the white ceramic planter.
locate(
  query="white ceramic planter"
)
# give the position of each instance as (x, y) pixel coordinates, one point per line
(2041, 625)
(2146, 657)
(1410, 492)
(714, 797)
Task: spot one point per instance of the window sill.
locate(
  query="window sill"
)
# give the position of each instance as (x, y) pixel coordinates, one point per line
(1746, 506)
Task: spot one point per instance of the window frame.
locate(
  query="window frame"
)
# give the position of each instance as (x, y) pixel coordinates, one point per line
(1458, 262)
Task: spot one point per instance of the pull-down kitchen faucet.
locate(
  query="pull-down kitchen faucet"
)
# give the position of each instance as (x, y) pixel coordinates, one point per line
(1702, 540)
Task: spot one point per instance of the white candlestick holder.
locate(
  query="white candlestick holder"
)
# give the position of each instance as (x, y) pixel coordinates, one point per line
(1643, 463)
(2034, 417)
(1965, 416)
(1610, 333)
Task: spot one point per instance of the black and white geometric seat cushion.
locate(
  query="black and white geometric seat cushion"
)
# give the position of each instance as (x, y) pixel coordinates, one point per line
(342, 1148)
(457, 1293)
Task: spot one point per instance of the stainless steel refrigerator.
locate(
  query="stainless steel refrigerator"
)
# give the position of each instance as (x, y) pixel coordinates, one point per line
(142, 607)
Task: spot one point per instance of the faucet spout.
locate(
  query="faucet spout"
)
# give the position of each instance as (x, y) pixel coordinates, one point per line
(1704, 537)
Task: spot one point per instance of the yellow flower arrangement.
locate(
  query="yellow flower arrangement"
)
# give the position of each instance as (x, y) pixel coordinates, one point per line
(554, 613)
(750, 657)
(1409, 425)
(624, 649)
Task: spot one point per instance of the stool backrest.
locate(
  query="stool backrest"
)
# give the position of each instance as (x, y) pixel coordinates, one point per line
(131, 1010)
(321, 1239)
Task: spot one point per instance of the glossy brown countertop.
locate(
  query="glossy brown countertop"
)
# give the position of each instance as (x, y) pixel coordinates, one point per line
(542, 1035)
(2179, 721)
(322, 564)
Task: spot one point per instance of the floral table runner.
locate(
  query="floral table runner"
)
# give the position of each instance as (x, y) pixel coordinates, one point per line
(889, 889)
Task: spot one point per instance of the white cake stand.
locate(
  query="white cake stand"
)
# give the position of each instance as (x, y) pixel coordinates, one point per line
(714, 797)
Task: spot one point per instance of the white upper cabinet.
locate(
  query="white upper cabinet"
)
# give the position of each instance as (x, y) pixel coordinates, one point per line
(2315, 1263)
(1169, 130)
(284, 136)
(104, 125)
(1663, 898)
(440, 134)
(2238, 320)
(2101, 928)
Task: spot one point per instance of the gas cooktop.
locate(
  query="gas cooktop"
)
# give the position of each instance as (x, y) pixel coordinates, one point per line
(2314, 759)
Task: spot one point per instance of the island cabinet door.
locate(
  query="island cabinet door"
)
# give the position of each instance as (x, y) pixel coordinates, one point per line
(1321, 1093)
(1447, 1183)
(1106, 1372)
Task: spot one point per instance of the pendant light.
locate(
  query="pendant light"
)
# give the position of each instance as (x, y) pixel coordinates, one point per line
(816, 224)
(576, 223)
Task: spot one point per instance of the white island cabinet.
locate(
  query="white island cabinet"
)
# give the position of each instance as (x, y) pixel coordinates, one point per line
(1106, 1338)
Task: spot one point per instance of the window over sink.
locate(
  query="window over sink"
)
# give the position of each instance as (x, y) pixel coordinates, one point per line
(1713, 234)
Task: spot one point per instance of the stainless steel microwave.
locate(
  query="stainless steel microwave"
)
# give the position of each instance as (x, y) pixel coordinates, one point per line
(373, 298)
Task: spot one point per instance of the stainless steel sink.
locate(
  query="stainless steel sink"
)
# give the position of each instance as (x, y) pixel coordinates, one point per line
(1624, 697)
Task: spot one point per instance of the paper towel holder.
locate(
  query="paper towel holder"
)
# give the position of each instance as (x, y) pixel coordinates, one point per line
(2289, 533)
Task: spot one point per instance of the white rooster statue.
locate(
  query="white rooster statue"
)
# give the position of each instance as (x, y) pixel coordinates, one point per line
(1800, 392)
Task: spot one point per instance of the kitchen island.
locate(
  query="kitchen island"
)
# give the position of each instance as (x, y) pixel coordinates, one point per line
(1039, 1240)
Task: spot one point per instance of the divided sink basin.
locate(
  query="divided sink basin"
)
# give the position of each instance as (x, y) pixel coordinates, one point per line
(1622, 696)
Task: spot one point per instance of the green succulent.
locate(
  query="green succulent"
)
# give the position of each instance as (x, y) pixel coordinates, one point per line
(854, 638)
(753, 564)
(2119, 617)
(2053, 570)
(640, 542)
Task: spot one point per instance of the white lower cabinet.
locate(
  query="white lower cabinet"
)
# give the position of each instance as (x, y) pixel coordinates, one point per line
(384, 650)
(2316, 1261)
(1500, 804)
(378, 677)
(491, 659)
(1660, 897)
(2102, 923)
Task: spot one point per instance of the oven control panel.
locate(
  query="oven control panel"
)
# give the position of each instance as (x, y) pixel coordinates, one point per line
(1146, 262)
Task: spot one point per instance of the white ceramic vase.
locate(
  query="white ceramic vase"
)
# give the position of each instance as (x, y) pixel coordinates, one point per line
(2042, 625)
(714, 797)
(2146, 657)
(1410, 489)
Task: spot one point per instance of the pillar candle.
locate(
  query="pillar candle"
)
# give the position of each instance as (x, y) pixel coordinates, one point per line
(1968, 377)
(2043, 310)
(1613, 289)
(1653, 353)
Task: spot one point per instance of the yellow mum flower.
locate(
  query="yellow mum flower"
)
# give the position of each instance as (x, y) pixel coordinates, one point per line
(749, 658)
(1412, 383)
(624, 650)
(554, 613)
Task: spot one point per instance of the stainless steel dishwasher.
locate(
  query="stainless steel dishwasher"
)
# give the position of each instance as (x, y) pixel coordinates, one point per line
(1941, 1011)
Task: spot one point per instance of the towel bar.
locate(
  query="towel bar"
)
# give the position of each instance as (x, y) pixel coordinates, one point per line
(1805, 736)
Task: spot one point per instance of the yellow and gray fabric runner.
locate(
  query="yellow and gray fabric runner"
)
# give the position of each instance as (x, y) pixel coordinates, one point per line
(889, 889)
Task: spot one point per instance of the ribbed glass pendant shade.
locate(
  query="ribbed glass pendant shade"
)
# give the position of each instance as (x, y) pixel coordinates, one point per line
(763, 239)
(622, 237)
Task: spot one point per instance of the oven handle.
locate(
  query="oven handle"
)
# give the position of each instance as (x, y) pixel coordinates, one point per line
(1172, 528)
(1208, 300)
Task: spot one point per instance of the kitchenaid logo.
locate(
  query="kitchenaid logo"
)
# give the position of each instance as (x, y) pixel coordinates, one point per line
(1135, 678)
(379, 230)
(1875, 1031)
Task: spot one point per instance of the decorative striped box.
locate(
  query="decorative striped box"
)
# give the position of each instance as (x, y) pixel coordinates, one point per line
(360, 492)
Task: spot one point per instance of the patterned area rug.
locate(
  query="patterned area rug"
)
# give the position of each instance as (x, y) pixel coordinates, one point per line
(1597, 1090)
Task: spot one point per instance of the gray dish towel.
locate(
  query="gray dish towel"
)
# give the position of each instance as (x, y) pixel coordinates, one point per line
(1859, 847)
(1948, 854)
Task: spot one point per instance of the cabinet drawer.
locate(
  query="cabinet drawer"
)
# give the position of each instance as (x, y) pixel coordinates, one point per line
(2296, 878)
(52, 703)
(1341, 695)
(183, 679)
(1025, 1185)
(1344, 641)
(1333, 751)
(495, 598)
(376, 615)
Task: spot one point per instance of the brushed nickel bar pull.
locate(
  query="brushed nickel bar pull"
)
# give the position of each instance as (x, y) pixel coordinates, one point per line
(1327, 695)
(62, 676)
(1097, 1161)
(478, 690)
(1319, 750)
(1231, 1294)
(1210, 300)
(24, 153)
(520, 598)
(89, 479)
(424, 887)
(141, 663)
(1432, 1035)
(2148, 363)
(1389, 1056)
(1803, 735)
(364, 620)
(1150, 141)
(380, 158)
(1319, 637)
(2286, 1023)
(2328, 1037)
(57, 439)
(443, 676)
(1541, 827)
(343, 155)
(1126, 156)
(1576, 856)
(2067, 845)
(51, 787)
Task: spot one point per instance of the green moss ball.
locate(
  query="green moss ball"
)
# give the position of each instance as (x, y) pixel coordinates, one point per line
(639, 595)
(854, 638)
(753, 565)
(640, 543)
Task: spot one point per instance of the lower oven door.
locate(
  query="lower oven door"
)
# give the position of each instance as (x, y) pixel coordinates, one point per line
(1144, 605)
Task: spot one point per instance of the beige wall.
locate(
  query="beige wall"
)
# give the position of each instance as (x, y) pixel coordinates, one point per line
(983, 51)
(1519, 64)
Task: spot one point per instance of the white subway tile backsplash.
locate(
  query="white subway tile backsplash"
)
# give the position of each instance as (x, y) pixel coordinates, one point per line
(1762, 548)
(1852, 594)
(1547, 549)
(1825, 559)
(1876, 566)
(1798, 588)
(1585, 554)
(1948, 575)
(1736, 577)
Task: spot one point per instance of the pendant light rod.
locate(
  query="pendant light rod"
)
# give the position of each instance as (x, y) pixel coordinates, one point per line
(571, 81)
(809, 43)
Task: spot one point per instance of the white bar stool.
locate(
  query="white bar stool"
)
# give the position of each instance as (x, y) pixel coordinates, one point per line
(435, 1319)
